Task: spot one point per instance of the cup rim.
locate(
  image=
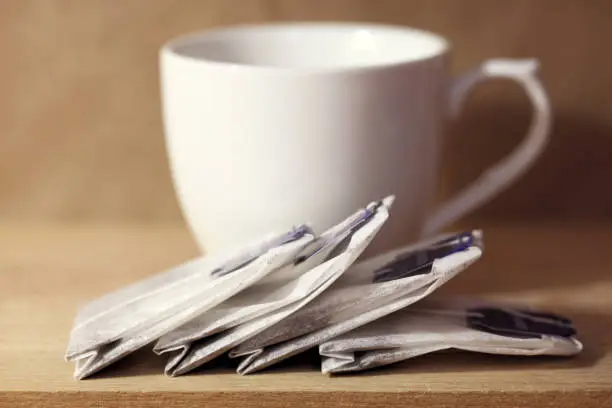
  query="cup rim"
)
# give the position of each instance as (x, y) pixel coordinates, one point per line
(170, 47)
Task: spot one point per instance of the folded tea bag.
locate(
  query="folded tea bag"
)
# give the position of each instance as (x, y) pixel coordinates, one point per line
(428, 327)
(368, 291)
(121, 322)
(275, 297)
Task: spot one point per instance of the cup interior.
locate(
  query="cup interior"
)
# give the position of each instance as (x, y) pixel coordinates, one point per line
(309, 45)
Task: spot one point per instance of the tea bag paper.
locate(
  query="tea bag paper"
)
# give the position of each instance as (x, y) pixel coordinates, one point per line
(118, 323)
(275, 297)
(369, 291)
(471, 326)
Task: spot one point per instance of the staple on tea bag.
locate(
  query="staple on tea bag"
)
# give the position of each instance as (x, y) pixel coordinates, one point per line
(118, 323)
(262, 305)
(437, 325)
(359, 298)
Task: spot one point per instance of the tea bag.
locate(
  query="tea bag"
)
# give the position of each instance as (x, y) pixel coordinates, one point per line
(119, 323)
(368, 291)
(275, 297)
(429, 327)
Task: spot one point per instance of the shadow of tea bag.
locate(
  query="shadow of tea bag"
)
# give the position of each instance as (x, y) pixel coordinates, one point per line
(368, 291)
(120, 322)
(432, 326)
(275, 297)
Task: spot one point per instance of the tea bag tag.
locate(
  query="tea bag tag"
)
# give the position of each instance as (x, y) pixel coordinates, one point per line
(420, 262)
(519, 323)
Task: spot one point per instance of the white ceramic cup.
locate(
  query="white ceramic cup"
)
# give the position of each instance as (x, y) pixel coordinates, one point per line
(269, 126)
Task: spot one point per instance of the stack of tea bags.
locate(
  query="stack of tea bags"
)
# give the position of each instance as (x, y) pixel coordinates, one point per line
(121, 322)
(369, 291)
(317, 267)
(296, 290)
(290, 269)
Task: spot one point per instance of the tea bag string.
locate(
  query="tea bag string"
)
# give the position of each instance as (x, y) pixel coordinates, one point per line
(247, 257)
(339, 234)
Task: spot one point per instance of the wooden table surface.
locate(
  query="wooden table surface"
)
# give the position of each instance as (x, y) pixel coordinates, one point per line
(47, 271)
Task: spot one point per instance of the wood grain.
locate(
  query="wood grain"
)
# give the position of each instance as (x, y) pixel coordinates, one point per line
(80, 125)
(47, 271)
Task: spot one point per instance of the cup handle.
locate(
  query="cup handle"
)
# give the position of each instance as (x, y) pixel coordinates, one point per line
(510, 168)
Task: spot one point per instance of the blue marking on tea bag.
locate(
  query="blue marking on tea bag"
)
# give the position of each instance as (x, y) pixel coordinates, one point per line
(421, 262)
(519, 323)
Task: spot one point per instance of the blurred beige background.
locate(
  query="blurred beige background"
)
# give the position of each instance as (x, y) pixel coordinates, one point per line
(80, 126)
